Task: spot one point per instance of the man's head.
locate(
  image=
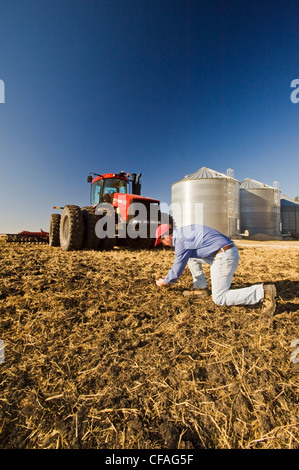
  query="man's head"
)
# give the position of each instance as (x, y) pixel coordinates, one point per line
(164, 235)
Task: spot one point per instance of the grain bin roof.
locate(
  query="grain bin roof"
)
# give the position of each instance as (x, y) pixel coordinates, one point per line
(287, 201)
(205, 173)
(248, 183)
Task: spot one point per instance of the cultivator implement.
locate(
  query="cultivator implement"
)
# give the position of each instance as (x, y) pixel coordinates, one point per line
(28, 237)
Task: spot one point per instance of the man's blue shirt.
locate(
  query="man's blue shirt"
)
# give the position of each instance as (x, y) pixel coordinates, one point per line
(193, 241)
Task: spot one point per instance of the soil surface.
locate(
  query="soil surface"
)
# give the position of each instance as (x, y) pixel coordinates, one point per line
(97, 356)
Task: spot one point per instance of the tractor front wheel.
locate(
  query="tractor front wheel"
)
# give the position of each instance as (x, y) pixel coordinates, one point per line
(90, 239)
(71, 228)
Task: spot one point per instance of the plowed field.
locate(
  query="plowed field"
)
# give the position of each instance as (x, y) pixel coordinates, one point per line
(98, 357)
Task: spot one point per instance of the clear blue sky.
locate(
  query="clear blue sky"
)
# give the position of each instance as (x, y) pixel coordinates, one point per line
(161, 87)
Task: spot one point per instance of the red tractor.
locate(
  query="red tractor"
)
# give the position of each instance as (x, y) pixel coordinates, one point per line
(117, 215)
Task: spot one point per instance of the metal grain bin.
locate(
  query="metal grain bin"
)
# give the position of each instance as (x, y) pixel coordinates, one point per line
(207, 197)
(259, 208)
(289, 209)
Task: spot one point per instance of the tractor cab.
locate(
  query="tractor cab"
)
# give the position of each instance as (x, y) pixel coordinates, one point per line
(104, 187)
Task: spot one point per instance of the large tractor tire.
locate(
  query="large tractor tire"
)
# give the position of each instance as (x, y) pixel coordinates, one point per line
(71, 228)
(90, 239)
(54, 239)
(106, 220)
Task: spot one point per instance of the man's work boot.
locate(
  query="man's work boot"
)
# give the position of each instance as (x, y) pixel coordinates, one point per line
(269, 303)
(196, 292)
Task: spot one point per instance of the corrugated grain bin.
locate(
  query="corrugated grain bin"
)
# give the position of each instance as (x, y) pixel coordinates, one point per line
(289, 216)
(259, 208)
(207, 197)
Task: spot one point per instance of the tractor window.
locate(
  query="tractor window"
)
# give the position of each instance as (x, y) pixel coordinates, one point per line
(114, 185)
(103, 189)
(96, 191)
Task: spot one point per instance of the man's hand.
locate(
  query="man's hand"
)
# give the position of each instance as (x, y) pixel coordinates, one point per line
(161, 282)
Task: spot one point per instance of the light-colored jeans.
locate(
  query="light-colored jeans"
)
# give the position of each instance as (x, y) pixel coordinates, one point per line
(223, 267)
